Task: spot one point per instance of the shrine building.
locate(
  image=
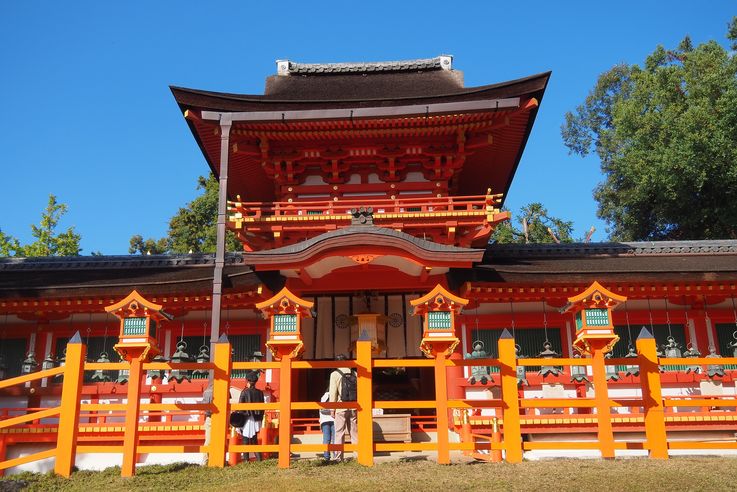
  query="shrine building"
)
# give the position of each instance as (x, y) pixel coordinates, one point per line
(356, 190)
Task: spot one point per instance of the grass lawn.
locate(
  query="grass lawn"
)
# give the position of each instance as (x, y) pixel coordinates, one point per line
(708, 474)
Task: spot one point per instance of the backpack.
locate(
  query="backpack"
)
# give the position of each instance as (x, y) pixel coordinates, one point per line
(348, 386)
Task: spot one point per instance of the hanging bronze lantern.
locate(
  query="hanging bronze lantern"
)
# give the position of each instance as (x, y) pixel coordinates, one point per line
(714, 370)
(100, 375)
(29, 364)
(578, 373)
(155, 374)
(632, 370)
(478, 373)
(60, 362)
(202, 357)
(733, 345)
(124, 374)
(180, 356)
(521, 370)
(612, 374)
(48, 362)
(692, 353)
(549, 353)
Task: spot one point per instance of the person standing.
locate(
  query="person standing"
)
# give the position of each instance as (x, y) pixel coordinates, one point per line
(343, 389)
(207, 398)
(327, 425)
(252, 425)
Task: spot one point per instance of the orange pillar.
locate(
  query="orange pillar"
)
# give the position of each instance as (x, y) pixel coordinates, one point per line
(652, 398)
(441, 408)
(365, 403)
(601, 400)
(221, 400)
(235, 439)
(466, 432)
(66, 440)
(496, 438)
(510, 398)
(132, 410)
(285, 409)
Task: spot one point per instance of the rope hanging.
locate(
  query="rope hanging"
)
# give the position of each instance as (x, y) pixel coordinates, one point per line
(734, 313)
(511, 310)
(545, 321)
(181, 335)
(650, 314)
(629, 329)
(667, 318)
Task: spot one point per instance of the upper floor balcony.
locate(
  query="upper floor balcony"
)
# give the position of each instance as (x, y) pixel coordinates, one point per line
(453, 220)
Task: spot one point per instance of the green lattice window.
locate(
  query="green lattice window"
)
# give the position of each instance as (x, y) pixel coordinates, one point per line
(314, 212)
(530, 341)
(438, 320)
(134, 326)
(597, 317)
(285, 323)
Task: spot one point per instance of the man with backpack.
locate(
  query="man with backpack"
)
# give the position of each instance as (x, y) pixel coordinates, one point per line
(343, 388)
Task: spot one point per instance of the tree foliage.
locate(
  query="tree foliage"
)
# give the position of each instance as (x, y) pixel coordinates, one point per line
(535, 225)
(666, 136)
(48, 241)
(192, 229)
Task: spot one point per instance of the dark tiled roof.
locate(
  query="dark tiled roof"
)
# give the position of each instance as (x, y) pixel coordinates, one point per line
(365, 67)
(656, 248)
(117, 275)
(113, 262)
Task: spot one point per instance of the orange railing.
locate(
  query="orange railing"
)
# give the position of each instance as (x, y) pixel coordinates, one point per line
(259, 210)
(514, 413)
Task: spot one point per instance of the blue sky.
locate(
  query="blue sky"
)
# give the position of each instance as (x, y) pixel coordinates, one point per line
(88, 115)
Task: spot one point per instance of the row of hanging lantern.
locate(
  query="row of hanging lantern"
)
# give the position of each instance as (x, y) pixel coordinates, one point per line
(671, 349)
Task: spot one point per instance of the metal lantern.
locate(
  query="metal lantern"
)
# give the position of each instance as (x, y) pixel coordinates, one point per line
(578, 373)
(29, 363)
(692, 353)
(60, 362)
(478, 373)
(521, 370)
(180, 356)
(714, 370)
(3, 367)
(48, 362)
(671, 349)
(733, 345)
(202, 357)
(100, 375)
(124, 374)
(549, 353)
(155, 374)
(632, 370)
(612, 374)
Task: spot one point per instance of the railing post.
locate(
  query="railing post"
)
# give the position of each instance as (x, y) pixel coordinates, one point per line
(441, 408)
(221, 401)
(601, 400)
(365, 402)
(132, 411)
(66, 440)
(652, 398)
(508, 373)
(285, 409)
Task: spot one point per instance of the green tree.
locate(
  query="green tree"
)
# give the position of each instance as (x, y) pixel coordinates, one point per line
(48, 242)
(666, 136)
(192, 229)
(536, 225)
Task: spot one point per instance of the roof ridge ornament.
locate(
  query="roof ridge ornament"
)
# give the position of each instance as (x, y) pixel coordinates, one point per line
(362, 216)
(288, 67)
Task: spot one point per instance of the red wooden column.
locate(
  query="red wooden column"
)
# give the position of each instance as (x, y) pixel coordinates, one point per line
(441, 408)
(285, 409)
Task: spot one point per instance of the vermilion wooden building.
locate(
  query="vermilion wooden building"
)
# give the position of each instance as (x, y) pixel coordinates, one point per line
(360, 188)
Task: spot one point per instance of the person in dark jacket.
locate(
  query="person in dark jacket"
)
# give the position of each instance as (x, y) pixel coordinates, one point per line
(253, 418)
